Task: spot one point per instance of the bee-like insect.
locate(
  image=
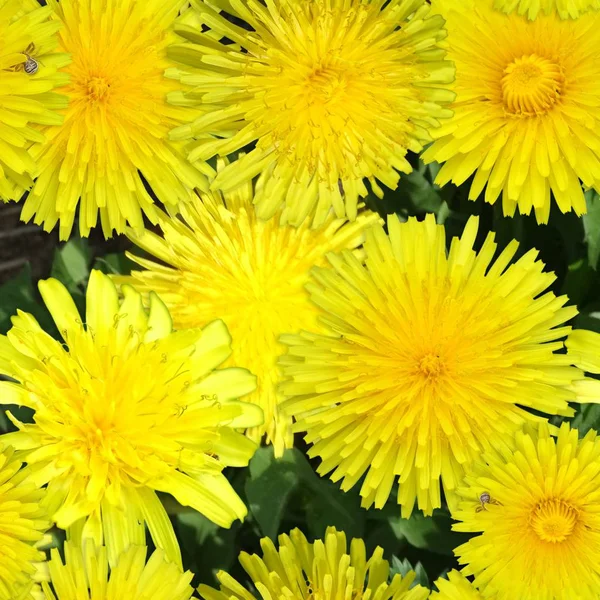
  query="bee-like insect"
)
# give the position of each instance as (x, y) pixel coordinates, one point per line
(30, 66)
(485, 498)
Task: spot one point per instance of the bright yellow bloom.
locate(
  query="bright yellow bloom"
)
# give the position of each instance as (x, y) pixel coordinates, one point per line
(27, 102)
(456, 587)
(324, 569)
(85, 575)
(117, 121)
(527, 114)
(123, 408)
(253, 278)
(332, 91)
(22, 524)
(539, 539)
(428, 360)
(566, 9)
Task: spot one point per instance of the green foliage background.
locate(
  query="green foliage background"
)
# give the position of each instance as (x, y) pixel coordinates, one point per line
(287, 493)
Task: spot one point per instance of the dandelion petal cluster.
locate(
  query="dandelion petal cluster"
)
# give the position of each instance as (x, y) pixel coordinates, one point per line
(28, 102)
(544, 527)
(428, 360)
(253, 278)
(22, 523)
(526, 118)
(333, 92)
(124, 408)
(324, 569)
(566, 9)
(85, 575)
(115, 127)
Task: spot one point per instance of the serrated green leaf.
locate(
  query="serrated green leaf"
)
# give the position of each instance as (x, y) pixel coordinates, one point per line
(114, 264)
(403, 568)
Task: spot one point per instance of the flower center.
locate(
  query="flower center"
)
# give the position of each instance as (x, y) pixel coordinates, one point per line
(554, 520)
(98, 89)
(531, 85)
(326, 83)
(431, 366)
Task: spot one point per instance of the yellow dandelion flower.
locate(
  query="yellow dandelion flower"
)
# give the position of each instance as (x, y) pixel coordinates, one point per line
(567, 9)
(456, 587)
(323, 569)
(225, 263)
(123, 408)
(22, 524)
(333, 92)
(526, 116)
(428, 359)
(85, 576)
(584, 349)
(27, 100)
(539, 539)
(114, 134)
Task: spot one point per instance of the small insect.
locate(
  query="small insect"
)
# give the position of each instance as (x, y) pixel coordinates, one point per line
(485, 498)
(30, 66)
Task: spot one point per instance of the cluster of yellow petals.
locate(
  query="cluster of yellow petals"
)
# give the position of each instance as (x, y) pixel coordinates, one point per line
(114, 136)
(324, 569)
(124, 408)
(543, 525)
(22, 525)
(566, 9)
(526, 117)
(332, 92)
(428, 360)
(253, 278)
(28, 102)
(86, 575)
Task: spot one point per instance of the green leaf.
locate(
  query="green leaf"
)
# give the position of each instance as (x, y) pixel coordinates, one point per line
(19, 293)
(587, 417)
(115, 264)
(403, 567)
(269, 487)
(591, 225)
(206, 547)
(71, 264)
(432, 533)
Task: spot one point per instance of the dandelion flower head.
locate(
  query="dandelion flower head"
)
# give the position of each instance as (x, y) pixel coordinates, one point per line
(22, 524)
(333, 92)
(428, 359)
(566, 9)
(526, 122)
(85, 576)
(223, 262)
(123, 408)
(114, 135)
(326, 568)
(539, 539)
(27, 100)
